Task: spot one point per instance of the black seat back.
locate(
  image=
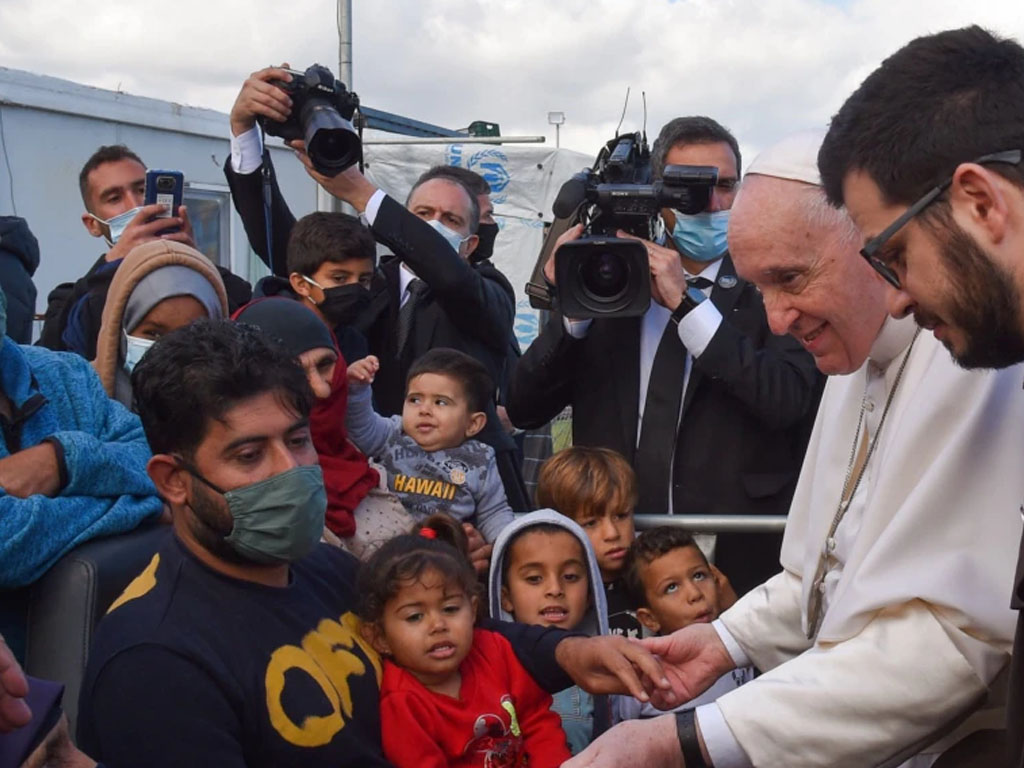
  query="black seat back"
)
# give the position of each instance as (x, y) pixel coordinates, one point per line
(66, 604)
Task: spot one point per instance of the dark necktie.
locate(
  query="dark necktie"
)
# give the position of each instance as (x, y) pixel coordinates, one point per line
(655, 450)
(701, 283)
(416, 290)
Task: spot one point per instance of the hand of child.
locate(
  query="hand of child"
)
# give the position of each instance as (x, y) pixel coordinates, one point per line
(726, 594)
(363, 371)
(479, 549)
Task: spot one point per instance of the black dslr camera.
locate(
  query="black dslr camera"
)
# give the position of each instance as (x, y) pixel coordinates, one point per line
(322, 110)
(600, 274)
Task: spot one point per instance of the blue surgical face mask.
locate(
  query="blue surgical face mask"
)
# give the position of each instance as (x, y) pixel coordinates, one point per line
(135, 348)
(117, 224)
(455, 240)
(702, 236)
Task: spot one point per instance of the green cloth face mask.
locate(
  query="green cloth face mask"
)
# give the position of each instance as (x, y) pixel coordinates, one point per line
(278, 520)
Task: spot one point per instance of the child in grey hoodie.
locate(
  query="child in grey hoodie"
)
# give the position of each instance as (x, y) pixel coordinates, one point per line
(544, 571)
(432, 461)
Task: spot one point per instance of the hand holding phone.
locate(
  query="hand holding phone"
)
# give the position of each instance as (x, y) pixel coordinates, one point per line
(166, 188)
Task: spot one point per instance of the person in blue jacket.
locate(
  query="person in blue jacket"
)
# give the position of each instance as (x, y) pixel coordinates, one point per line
(72, 461)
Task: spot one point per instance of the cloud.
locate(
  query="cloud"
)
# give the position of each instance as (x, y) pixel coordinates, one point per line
(762, 67)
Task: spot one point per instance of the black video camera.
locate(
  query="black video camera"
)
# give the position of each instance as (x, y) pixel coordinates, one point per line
(602, 275)
(322, 110)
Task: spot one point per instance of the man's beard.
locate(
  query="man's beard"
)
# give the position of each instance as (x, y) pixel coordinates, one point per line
(210, 523)
(986, 304)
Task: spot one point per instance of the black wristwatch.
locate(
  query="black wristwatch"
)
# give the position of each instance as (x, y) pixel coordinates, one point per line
(692, 298)
(686, 732)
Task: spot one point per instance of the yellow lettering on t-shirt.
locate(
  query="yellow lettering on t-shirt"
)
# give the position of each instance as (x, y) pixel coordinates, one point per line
(354, 632)
(140, 585)
(425, 486)
(314, 730)
(326, 657)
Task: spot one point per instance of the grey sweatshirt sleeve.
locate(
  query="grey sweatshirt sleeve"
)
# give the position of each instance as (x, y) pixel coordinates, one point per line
(370, 431)
(493, 512)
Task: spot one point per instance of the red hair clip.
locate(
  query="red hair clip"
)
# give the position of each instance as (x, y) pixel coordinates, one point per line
(428, 533)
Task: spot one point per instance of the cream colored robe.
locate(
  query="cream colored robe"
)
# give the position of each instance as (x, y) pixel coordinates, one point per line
(917, 624)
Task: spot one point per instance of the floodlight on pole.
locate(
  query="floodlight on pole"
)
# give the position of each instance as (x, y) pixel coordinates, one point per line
(556, 119)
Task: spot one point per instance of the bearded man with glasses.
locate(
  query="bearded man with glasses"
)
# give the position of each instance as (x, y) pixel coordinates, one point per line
(926, 157)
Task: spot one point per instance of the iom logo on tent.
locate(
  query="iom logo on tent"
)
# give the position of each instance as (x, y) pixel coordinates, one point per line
(492, 164)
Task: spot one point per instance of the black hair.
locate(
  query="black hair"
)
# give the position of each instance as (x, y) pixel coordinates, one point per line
(196, 374)
(444, 172)
(471, 180)
(476, 383)
(939, 101)
(648, 547)
(407, 557)
(322, 236)
(111, 153)
(691, 130)
(548, 528)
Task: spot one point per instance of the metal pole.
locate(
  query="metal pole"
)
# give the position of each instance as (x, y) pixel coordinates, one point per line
(558, 131)
(345, 43)
(716, 523)
(460, 140)
(325, 201)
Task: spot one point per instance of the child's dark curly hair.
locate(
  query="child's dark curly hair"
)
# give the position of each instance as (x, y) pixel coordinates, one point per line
(648, 547)
(438, 543)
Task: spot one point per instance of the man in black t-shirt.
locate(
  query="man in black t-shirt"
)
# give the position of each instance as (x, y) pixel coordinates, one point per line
(237, 646)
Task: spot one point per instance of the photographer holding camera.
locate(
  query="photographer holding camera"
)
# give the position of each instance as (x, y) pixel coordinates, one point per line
(712, 411)
(429, 294)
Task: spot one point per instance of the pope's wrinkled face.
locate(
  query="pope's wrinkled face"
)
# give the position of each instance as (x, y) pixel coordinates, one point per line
(815, 285)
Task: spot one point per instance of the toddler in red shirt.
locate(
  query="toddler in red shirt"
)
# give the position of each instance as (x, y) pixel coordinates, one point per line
(451, 695)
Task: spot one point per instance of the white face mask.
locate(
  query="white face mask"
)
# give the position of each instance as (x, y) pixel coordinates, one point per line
(136, 348)
(455, 240)
(117, 224)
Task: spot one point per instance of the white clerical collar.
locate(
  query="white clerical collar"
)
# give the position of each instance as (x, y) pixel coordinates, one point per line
(894, 337)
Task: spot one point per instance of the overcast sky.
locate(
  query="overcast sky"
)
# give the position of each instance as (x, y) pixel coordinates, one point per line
(764, 68)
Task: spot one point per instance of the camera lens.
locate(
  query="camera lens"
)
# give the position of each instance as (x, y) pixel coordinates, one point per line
(604, 277)
(164, 184)
(331, 141)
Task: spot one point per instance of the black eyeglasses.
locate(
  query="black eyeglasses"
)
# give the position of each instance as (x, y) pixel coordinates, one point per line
(871, 247)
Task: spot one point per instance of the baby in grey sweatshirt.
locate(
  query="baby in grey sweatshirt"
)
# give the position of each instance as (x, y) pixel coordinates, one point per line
(432, 461)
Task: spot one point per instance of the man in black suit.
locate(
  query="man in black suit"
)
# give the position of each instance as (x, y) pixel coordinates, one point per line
(712, 410)
(427, 295)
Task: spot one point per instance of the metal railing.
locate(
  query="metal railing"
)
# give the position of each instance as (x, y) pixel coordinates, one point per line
(712, 523)
(715, 523)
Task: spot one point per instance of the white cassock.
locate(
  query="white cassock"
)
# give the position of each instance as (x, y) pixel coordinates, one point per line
(917, 622)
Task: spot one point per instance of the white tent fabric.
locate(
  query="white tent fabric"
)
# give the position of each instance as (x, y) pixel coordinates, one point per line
(524, 179)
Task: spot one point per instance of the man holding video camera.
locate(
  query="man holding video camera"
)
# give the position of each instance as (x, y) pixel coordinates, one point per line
(712, 411)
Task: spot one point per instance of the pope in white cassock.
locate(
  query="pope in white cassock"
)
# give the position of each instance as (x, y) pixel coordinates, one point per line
(885, 637)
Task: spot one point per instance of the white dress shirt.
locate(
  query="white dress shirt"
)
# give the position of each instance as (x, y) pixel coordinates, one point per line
(247, 151)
